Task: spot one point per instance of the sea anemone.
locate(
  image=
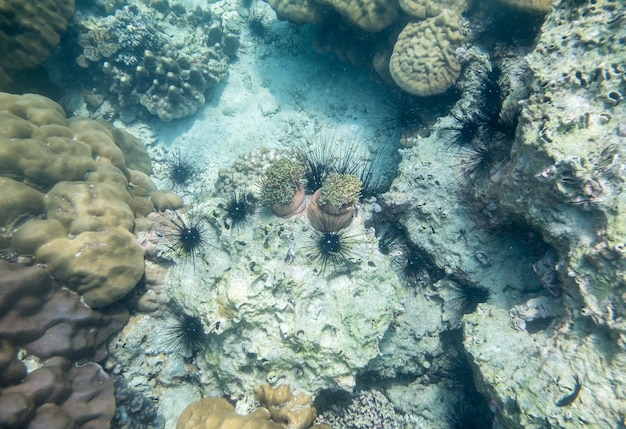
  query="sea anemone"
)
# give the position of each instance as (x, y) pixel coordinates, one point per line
(341, 189)
(280, 181)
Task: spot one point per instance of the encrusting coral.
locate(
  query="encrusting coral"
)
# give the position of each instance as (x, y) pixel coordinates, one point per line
(68, 189)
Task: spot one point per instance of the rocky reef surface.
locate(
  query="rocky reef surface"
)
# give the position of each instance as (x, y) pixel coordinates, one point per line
(542, 230)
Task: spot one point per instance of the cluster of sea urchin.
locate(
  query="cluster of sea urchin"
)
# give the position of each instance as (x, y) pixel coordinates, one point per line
(485, 130)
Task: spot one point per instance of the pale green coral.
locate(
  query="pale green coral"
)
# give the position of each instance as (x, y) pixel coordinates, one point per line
(341, 189)
(280, 182)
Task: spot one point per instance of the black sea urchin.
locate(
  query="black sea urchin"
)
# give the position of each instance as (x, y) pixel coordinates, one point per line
(464, 298)
(465, 129)
(238, 209)
(484, 157)
(391, 241)
(318, 163)
(259, 24)
(186, 233)
(186, 335)
(404, 116)
(181, 170)
(416, 267)
(335, 248)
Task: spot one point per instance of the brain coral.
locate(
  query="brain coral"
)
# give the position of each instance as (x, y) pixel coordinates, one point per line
(368, 15)
(29, 31)
(423, 62)
(67, 187)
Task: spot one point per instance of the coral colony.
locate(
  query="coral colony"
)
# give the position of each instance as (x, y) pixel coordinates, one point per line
(429, 261)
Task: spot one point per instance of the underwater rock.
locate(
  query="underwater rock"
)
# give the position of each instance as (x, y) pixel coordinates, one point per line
(565, 178)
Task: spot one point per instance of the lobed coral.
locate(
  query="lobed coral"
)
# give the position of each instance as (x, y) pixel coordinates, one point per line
(29, 31)
(72, 197)
(53, 324)
(138, 70)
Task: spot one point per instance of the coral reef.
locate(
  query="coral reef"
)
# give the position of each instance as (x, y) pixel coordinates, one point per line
(72, 197)
(141, 63)
(29, 32)
(53, 324)
(415, 50)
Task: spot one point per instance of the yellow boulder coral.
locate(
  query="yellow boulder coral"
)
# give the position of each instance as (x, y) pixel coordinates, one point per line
(281, 410)
(29, 31)
(423, 61)
(218, 413)
(86, 238)
(294, 411)
(18, 199)
(101, 266)
(81, 207)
